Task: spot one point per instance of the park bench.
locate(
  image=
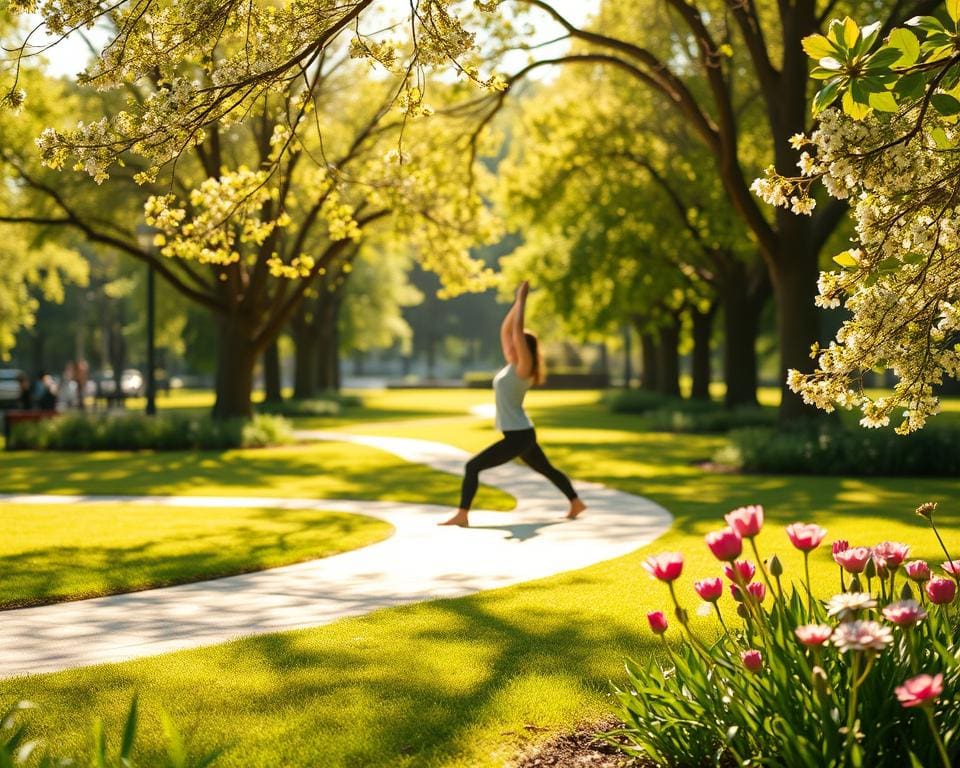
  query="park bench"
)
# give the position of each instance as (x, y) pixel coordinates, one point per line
(16, 417)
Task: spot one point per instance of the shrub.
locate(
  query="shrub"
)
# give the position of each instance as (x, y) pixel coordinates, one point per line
(831, 449)
(17, 748)
(714, 418)
(330, 404)
(674, 414)
(637, 401)
(132, 432)
(870, 677)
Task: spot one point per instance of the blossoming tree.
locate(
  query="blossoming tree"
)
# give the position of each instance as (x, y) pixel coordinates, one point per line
(256, 213)
(886, 138)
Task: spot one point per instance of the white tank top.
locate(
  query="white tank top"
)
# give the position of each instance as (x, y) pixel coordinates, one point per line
(509, 390)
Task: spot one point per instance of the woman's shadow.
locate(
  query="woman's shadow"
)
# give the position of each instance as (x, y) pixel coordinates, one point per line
(519, 531)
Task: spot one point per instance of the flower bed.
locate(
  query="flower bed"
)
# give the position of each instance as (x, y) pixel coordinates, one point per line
(868, 677)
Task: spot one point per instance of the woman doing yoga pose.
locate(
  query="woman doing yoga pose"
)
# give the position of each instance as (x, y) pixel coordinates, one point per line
(523, 370)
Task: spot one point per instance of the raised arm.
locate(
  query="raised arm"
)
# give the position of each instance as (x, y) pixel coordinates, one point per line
(506, 335)
(524, 361)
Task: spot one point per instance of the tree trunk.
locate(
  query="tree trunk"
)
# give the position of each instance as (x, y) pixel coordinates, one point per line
(668, 359)
(328, 358)
(743, 297)
(702, 332)
(304, 358)
(648, 362)
(272, 385)
(236, 359)
(798, 324)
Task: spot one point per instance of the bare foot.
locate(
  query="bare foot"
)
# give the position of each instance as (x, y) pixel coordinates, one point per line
(459, 518)
(576, 507)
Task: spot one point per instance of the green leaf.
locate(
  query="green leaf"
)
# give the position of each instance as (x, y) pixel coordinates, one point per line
(945, 104)
(904, 41)
(926, 23)
(851, 32)
(910, 86)
(868, 36)
(887, 57)
(953, 10)
(129, 731)
(939, 137)
(818, 47)
(884, 102)
(845, 260)
(872, 85)
(859, 93)
(99, 744)
(826, 95)
(829, 62)
(176, 752)
(856, 109)
(819, 73)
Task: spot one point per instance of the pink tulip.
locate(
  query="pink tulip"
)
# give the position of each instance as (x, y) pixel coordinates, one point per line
(710, 589)
(746, 521)
(658, 622)
(904, 613)
(744, 567)
(881, 565)
(806, 536)
(941, 591)
(666, 567)
(758, 589)
(752, 660)
(853, 560)
(813, 634)
(736, 593)
(726, 544)
(919, 690)
(918, 570)
(840, 545)
(892, 552)
(952, 567)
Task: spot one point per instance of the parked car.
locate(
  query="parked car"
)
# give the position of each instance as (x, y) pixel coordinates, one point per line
(9, 387)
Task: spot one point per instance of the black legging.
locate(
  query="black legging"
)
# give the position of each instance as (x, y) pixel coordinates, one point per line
(522, 443)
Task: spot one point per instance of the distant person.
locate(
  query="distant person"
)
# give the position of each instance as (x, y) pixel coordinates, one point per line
(25, 399)
(45, 392)
(524, 368)
(83, 376)
(67, 391)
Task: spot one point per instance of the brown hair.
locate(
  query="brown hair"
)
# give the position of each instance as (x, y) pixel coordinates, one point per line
(538, 372)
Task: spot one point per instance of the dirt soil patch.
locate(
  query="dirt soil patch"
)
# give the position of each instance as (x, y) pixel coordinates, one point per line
(581, 749)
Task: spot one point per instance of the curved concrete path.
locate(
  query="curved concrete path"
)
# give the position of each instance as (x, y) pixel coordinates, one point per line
(419, 562)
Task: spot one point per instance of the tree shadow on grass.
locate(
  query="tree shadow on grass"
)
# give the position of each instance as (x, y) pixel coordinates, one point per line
(313, 471)
(56, 574)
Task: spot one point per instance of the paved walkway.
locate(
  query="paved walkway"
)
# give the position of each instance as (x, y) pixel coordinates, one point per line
(419, 562)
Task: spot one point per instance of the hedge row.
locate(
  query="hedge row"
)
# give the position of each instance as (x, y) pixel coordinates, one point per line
(131, 432)
(832, 449)
(673, 414)
(328, 405)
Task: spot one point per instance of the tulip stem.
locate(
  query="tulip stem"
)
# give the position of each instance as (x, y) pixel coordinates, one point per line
(761, 566)
(944, 757)
(806, 570)
(720, 617)
(956, 576)
(852, 704)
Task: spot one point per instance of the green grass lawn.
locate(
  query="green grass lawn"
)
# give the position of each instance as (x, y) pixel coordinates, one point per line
(70, 552)
(317, 471)
(467, 682)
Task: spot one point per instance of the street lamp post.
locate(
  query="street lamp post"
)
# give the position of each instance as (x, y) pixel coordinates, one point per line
(151, 341)
(145, 239)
